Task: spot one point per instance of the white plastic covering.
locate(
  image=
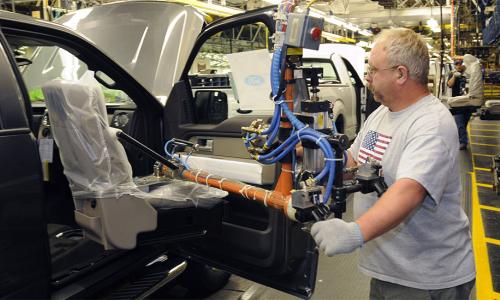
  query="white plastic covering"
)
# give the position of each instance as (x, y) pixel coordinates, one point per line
(95, 163)
(473, 69)
(108, 205)
(474, 96)
(178, 190)
(492, 103)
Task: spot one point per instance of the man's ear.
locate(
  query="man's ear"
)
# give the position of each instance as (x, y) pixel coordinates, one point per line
(403, 73)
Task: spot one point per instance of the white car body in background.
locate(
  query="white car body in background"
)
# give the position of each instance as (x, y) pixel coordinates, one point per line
(347, 102)
(338, 85)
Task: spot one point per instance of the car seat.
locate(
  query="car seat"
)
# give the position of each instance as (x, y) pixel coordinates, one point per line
(109, 206)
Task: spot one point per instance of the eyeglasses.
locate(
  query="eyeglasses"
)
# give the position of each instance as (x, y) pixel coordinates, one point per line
(372, 70)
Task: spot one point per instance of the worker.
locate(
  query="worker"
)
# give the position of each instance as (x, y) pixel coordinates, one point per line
(456, 79)
(462, 106)
(415, 239)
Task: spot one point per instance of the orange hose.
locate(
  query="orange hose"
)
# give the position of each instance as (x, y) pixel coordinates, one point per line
(268, 198)
(285, 180)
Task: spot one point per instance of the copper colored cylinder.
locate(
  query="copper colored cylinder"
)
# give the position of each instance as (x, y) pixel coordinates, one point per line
(268, 198)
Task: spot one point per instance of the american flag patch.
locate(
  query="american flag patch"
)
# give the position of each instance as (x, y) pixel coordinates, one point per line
(374, 146)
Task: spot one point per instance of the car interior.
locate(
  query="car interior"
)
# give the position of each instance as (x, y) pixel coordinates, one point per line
(76, 253)
(235, 234)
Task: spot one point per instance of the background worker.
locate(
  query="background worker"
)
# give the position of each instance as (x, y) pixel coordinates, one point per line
(415, 239)
(462, 105)
(457, 81)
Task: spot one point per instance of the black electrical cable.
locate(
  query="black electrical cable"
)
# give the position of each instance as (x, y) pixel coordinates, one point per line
(441, 65)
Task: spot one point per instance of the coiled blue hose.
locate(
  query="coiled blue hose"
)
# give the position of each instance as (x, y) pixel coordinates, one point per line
(301, 131)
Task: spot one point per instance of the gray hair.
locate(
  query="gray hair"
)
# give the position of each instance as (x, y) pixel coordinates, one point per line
(406, 47)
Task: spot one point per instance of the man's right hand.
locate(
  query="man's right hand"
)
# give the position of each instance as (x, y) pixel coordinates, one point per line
(335, 236)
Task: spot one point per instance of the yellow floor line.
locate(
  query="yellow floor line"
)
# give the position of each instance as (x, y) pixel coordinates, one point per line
(487, 207)
(481, 154)
(484, 285)
(475, 126)
(491, 130)
(485, 185)
(486, 136)
(473, 174)
(487, 124)
(492, 241)
(487, 145)
(482, 169)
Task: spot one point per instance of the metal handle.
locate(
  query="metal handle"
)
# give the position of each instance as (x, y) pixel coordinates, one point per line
(205, 145)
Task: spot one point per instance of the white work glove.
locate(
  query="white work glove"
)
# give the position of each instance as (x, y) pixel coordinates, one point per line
(336, 236)
(457, 74)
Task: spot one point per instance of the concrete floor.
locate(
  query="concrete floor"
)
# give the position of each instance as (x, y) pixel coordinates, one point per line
(338, 277)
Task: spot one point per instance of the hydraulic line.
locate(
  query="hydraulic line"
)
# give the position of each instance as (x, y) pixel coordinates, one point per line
(273, 199)
(172, 155)
(277, 82)
(285, 179)
(273, 129)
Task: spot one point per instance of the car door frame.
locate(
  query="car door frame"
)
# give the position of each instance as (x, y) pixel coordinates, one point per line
(24, 234)
(181, 96)
(291, 261)
(146, 123)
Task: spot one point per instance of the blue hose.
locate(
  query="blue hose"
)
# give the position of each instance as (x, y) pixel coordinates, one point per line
(171, 155)
(303, 132)
(281, 147)
(275, 80)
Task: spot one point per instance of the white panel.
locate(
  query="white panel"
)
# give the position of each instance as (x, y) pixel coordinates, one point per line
(243, 170)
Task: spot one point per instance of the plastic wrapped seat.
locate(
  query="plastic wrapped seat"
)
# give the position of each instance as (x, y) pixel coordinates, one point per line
(108, 205)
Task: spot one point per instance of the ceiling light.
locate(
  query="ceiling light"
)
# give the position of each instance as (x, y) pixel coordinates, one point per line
(363, 44)
(436, 29)
(339, 22)
(275, 2)
(432, 23)
(336, 38)
(212, 9)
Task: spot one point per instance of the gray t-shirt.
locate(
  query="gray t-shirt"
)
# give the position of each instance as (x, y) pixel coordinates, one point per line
(431, 248)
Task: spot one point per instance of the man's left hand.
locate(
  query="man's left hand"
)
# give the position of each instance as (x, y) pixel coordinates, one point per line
(336, 236)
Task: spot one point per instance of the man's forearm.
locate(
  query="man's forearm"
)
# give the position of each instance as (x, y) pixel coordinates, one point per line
(451, 82)
(392, 208)
(351, 163)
